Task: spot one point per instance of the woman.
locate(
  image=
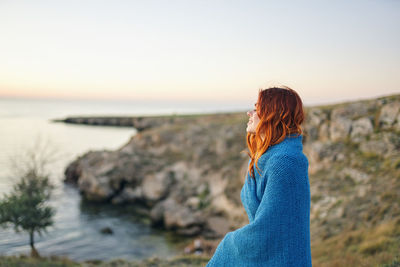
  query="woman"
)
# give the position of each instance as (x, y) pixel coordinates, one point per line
(276, 193)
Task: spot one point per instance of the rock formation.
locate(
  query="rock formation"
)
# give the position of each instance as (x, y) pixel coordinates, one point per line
(188, 172)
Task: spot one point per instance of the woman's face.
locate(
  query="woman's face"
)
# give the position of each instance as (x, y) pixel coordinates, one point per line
(253, 120)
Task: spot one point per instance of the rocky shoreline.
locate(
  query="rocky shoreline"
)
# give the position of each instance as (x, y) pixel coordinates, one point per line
(188, 171)
(178, 170)
(140, 123)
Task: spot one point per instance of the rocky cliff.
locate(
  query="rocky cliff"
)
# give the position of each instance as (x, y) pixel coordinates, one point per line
(354, 154)
(188, 173)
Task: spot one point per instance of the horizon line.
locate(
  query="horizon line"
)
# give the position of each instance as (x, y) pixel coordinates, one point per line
(94, 99)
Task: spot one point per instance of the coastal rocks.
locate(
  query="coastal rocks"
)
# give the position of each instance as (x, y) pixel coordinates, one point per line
(91, 174)
(322, 154)
(73, 172)
(156, 186)
(323, 133)
(351, 120)
(106, 231)
(105, 121)
(175, 216)
(383, 144)
(339, 128)
(218, 226)
(389, 113)
(187, 172)
(96, 187)
(314, 118)
(352, 110)
(139, 123)
(342, 119)
(341, 131)
(128, 195)
(360, 128)
(169, 171)
(354, 154)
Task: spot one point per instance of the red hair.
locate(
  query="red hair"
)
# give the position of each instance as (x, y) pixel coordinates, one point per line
(281, 113)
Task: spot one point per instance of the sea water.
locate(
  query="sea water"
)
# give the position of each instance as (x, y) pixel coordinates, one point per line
(76, 233)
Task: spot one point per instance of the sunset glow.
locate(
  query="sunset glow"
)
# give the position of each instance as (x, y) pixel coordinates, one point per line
(198, 50)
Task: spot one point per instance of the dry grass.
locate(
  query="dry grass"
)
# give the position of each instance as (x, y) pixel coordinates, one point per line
(363, 247)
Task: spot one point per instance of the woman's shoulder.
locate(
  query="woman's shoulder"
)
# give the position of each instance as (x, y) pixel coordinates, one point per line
(283, 159)
(284, 155)
(291, 147)
(289, 159)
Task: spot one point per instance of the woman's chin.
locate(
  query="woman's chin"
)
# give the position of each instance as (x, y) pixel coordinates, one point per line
(249, 130)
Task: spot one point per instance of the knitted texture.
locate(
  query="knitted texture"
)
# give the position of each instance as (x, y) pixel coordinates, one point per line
(277, 203)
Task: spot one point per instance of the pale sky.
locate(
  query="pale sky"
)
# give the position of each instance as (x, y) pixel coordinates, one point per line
(328, 51)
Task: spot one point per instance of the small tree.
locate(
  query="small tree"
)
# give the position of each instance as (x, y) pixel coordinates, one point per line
(25, 208)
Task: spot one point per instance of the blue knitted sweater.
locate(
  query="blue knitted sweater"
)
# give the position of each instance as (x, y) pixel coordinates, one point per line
(277, 203)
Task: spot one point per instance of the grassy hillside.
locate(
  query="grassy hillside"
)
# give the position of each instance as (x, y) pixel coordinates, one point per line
(355, 182)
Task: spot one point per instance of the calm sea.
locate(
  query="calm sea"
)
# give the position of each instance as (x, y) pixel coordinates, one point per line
(76, 232)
